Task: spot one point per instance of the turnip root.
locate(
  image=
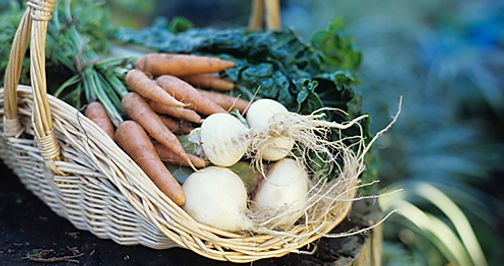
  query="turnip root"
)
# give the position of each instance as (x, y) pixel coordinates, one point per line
(282, 194)
(216, 196)
(222, 138)
(291, 133)
(258, 115)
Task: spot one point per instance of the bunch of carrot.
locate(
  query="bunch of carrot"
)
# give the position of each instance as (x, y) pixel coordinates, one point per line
(164, 101)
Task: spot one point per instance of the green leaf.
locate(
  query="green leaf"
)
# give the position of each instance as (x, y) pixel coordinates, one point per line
(179, 24)
(68, 83)
(307, 99)
(335, 48)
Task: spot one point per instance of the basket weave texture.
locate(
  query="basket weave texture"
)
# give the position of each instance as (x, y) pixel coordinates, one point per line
(82, 175)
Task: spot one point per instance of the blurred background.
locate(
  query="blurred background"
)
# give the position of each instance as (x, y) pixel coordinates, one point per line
(446, 58)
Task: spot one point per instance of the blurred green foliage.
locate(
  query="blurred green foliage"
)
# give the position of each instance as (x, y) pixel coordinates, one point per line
(337, 47)
(9, 21)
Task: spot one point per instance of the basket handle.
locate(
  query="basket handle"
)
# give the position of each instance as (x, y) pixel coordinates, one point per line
(34, 25)
(272, 10)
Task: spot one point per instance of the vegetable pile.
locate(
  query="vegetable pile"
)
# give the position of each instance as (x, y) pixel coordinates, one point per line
(304, 77)
(266, 128)
(273, 140)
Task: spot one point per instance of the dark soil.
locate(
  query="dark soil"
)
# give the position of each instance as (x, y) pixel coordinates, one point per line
(31, 234)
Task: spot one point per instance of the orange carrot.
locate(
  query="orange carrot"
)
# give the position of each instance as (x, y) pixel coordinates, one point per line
(158, 64)
(131, 137)
(227, 102)
(175, 126)
(139, 110)
(97, 113)
(209, 81)
(143, 85)
(167, 155)
(178, 112)
(187, 94)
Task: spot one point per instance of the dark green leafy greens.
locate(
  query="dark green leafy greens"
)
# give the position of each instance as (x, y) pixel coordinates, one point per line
(297, 74)
(277, 64)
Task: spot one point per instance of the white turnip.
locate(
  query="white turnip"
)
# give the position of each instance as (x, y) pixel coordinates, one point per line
(258, 116)
(282, 194)
(216, 196)
(222, 138)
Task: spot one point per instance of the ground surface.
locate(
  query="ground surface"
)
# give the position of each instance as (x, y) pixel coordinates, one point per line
(28, 228)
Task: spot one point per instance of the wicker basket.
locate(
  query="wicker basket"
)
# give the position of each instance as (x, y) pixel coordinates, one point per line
(83, 176)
